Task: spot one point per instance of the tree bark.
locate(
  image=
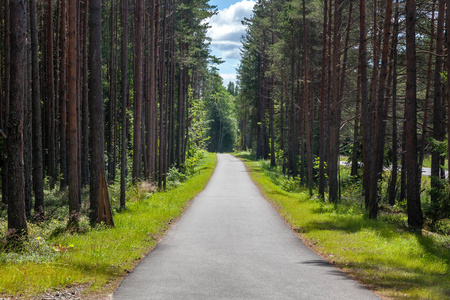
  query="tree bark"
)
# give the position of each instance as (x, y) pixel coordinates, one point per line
(96, 109)
(378, 134)
(364, 99)
(323, 99)
(415, 217)
(124, 88)
(38, 163)
(27, 133)
(393, 181)
(50, 83)
(5, 108)
(137, 142)
(84, 93)
(335, 108)
(72, 118)
(306, 106)
(438, 133)
(17, 224)
(63, 95)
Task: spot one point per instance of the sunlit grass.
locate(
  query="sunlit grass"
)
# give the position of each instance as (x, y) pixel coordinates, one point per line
(390, 260)
(102, 256)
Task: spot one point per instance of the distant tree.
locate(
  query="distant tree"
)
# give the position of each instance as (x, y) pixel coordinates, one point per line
(223, 124)
(231, 88)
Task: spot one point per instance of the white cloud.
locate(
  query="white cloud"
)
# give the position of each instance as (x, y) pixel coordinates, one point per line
(227, 78)
(226, 32)
(226, 25)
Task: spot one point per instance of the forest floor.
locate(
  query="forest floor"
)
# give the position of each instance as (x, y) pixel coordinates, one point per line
(382, 254)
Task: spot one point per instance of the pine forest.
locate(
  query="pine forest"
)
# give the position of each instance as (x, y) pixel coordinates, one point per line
(347, 101)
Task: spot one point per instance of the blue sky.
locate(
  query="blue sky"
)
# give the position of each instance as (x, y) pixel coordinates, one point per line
(226, 31)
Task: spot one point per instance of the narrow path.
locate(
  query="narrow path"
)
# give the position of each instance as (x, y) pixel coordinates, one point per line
(232, 244)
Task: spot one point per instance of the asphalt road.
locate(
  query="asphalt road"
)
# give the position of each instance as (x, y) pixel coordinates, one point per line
(232, 244)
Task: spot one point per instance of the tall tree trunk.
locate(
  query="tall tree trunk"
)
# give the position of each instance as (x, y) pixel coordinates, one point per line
(367, 153)
(437, 102)
(51, 145)
(137, 143)
(306, 106)
(5, 108)
(448, 78)
(38, 163)
(96, 109)
(335, 107)
(323, 99)
(428, 88)
(28, 115)
(153, 109)
(63, 95)
(17, 224)
(124, 69)
(379, 105)
(84, 94)
(163, 105)
(415, 217)
(393, 181)
(72, 120)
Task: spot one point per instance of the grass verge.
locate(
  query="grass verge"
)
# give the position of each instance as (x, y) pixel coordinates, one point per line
(100, 258)
(388, 259)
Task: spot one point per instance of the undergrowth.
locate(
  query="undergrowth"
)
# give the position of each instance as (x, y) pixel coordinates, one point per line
(98, 257)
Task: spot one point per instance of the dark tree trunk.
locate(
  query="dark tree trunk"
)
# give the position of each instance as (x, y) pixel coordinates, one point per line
(27, 132)
(323, 99)
(379, 105)
(415, 217)
(306, 106)
(137, 143)
(63, 95)
(38, 163)
(5, 108)
(84, 95)
(428, 88)
(51, 145)
(162, 106)
(124, 69)
(153, 109)
(335, 108)
(437, 102)
(393, 181)
(96, 109)
(17, 224)
(72, 119)
(364, 99)
(448, 77)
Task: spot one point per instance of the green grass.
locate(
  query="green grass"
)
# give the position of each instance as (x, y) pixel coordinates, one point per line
(382, 255)
(427, 162)
(99, 258)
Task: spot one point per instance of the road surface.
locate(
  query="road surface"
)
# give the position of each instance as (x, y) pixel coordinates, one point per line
(232, 244)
